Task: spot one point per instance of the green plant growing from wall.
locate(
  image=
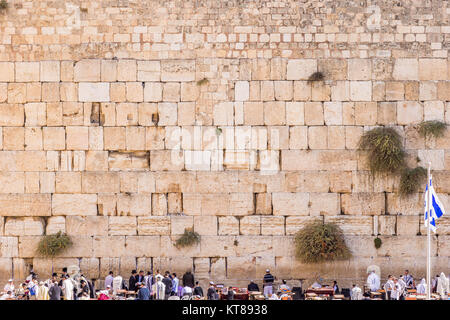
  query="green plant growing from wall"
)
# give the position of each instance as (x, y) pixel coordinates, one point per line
(317, 76)
(411, 180)
(320, 242)
(433, 128)
(377, 242)
(202, 82)
(3, 4)
(188, 238)
(54, 244)
(385, 150)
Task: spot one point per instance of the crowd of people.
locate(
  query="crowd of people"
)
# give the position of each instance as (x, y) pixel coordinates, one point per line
(167, 286)
(397, 288)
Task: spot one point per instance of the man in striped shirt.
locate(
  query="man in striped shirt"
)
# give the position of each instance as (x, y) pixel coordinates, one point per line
(268, 283)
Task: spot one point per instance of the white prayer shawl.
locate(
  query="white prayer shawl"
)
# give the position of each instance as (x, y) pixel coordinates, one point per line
(356, 293)
(388, 286)
(402, 285)
(117, 284)
(42, 293)
(68, 289)
(373, 281)
(159, 289)
(396, 291)
(148, 283)
(442, 285)
(9, 287)
(422, 287)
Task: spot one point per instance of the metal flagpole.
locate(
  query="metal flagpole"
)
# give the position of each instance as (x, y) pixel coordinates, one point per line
(428, 195)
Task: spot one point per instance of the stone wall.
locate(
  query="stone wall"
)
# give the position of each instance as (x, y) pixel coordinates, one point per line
(124, 122)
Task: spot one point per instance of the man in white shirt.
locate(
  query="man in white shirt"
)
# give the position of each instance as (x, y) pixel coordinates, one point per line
(373, 281)
(396, 290)
(9, 286)
(109, 279)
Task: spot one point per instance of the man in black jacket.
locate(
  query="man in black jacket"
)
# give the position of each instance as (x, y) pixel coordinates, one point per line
(132, 281)
(55, 291)
(252, 286)
(168, 282)
(198, 291)
(188, 279)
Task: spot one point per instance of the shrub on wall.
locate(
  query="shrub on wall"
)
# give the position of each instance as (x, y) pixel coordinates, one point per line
(187, 239)
(377, 242)
(433, 128)
(385, 150)
(411, 180)
(52, 245)
(320, 242)
(3, 4)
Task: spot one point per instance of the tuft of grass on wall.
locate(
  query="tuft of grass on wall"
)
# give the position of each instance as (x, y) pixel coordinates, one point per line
(385, 150)
(377, 242)
(411, 180)
(54, 244)
(202, 82)
(187, 239)
(320, 242)
(3, 4)
(317, 76)
(432, 128)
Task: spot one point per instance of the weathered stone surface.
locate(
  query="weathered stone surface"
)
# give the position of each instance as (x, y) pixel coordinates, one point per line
(25, 205)
(363, 203)
(122, 226)
(88, 225)
(24, 227)
(178, 70)
(148, 226)
(69, 204)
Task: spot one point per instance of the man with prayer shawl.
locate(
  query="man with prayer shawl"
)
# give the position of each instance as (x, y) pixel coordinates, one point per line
(396, 290)
(409, 280)
(422, 287)
(442, 286)
(402, 283)
(42, 293)
(356, 293)
(67, 287)
(373, 281)
(159, 288)
(388, 287)
(9, 286)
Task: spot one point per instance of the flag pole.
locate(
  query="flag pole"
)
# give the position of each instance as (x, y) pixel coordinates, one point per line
(428, 235)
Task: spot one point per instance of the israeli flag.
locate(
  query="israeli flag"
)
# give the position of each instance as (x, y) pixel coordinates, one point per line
(436, 207)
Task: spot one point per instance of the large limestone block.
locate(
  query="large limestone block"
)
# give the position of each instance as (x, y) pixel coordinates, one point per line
(7, 74)
(179, 265)
(218, 268)
(217, 246)
(108, 264)
(55, 225)
(324, 204)
(29, 226)
(431, 69)
(228, 226)
(361, 245)
(360, 90)
(363, 203)
(359, 69)
(87, 225)
(12, 182)
(11, 115)
(27, 71)
(255, 245)
(444, 247)
(179, 223)
(201, 267)
(25, 205)
(148, 70)
(126, 70)
(241, 267)
(100, 182)
(295, 223)
(102, 246)
(250, 225)
(93, 92)
(241, 204)
(81, 247)
(178, 70)
(27, 246)
(352, 225)
(406, 69)
(385, 225)
(153, 226)
(408, 225)
(290, 203)
(300, 69)
(74, 204)
(263, 203)
(307, 181)
(122, 226)
(107, 204)
(407, 246)
(272, 225)
(9, 247)
(413, 205)
(50, 71)
(87, 70)
(68, 182)
(90, 267)
(292, 160)
(205, 225)
(168, 248)
(134, 204)
(409, 112)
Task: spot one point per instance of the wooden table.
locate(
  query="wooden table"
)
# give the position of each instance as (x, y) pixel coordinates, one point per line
(321, 291)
